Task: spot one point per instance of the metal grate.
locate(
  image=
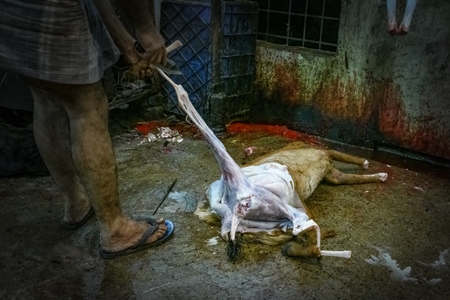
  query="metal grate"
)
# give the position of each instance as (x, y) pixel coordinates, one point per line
(190, 24)
(239, 23)
(305, 23)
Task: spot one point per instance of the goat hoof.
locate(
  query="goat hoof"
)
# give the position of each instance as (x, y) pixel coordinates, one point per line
(383, 176)
(233, 249)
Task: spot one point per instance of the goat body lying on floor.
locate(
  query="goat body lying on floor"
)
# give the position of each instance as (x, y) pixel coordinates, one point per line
(268, 193)
(292, 174)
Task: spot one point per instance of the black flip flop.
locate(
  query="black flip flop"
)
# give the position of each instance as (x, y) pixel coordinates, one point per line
(72, 226)
(141, 245)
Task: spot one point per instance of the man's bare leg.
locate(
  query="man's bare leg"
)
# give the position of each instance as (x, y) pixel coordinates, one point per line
(51, 131)
(94, 161)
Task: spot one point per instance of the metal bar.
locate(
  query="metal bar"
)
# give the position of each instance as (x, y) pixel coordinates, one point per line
(165, 196)
(304, 23)
(288, 30)
(321, 24)
(305, 40)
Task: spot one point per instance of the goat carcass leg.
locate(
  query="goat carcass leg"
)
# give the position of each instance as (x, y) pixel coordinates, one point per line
(392, 20)
(409, 11)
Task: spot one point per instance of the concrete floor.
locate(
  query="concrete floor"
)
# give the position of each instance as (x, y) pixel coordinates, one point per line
(391, 228)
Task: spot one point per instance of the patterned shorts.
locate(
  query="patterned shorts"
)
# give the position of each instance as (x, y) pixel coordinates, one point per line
(63, 41)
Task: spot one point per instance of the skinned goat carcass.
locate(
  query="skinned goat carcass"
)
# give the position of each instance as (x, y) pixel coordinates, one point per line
(264, 196)
(392, 20)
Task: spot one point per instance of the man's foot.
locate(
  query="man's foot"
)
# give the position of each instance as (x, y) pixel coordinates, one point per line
(135, 236)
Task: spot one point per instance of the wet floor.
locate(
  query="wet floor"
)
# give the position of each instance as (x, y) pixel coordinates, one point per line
(398, 232)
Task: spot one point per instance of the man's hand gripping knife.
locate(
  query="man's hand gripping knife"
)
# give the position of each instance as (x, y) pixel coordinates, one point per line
(143, 65)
